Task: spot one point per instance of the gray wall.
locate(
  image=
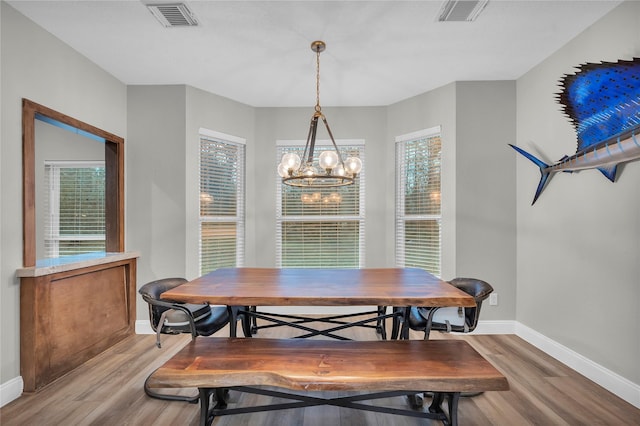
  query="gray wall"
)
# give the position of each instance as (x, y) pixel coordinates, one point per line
(155, 176)
(485, 190)
(39, 67)
(579, 245)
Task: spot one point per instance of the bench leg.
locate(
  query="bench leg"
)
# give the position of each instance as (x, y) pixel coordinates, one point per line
(452, 402)
(221, 395)
(205, 395)
(453, 408)
(157, 395)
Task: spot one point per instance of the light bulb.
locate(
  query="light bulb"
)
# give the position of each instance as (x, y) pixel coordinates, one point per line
(309, 171)
(283, 171)
(338, 170)
(353, 165)
(291, 161)
(328, 160)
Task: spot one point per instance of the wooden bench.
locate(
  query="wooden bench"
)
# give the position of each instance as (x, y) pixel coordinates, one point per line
(392, 368)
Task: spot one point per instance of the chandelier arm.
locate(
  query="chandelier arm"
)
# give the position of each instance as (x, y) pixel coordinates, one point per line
(306, 145)
(333, 141)
(311, 143)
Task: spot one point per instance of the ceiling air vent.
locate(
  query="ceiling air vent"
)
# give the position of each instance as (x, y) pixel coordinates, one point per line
(173, 14)
(461, 10)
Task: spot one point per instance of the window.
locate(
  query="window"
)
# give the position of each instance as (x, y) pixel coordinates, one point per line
(222, 169)
(418, 212)
(319, 228)
(75, 209)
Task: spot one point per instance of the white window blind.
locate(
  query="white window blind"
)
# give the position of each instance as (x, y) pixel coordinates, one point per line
(222, 177)
(318, 228)
(418, 204)
(74, 206)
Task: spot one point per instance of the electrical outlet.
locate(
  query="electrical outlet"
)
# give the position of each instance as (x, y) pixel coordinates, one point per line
(493, 299)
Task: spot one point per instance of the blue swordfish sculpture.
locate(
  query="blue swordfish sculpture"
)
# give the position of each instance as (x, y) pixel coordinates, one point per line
(603, 103)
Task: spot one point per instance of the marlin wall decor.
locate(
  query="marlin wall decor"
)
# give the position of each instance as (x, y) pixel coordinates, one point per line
(603, 103)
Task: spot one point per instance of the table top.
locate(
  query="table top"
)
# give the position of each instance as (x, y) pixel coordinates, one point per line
(320, 287)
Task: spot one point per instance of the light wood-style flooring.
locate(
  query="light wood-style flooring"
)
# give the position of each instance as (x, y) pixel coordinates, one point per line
(108, 390)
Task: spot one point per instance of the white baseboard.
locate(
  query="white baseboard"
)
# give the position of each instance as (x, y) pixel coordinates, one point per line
(144, 327)
(495, 327)
(613, 382)
(11, 390)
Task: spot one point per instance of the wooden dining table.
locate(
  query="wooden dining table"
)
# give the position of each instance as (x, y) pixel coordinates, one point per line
(400, 288)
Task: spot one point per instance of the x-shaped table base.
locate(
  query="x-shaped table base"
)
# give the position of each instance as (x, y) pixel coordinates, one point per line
(298, 321)
(435, 411)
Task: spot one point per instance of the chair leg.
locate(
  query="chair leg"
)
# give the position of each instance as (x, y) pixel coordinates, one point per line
(416, 401)
(247, 328)
(381, 326)
(429, 324)
(253, 320)
(396, 324)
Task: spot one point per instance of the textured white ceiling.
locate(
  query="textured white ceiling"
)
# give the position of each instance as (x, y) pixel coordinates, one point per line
(257, 52)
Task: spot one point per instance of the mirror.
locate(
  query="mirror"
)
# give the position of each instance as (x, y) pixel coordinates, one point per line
(51, 135)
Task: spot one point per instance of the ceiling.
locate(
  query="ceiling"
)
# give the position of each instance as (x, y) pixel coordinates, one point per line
(258, 52)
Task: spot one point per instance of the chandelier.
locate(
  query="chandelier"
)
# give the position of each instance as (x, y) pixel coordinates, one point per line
(331, 170)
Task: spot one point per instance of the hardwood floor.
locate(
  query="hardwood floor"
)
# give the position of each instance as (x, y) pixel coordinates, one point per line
(107, 390)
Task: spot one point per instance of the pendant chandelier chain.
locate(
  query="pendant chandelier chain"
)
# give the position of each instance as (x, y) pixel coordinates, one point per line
(318, 108)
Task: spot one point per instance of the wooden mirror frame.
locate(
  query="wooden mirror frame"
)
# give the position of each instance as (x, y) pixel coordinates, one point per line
(114, 179)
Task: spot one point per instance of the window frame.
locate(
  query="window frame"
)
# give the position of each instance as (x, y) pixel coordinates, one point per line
(240, 217)
(52, 235)
(114, 162)
(400, 215)
(322, 144)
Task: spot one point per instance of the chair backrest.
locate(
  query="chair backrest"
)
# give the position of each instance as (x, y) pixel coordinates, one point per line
(175, 320)
(154, 289)
(479, 290)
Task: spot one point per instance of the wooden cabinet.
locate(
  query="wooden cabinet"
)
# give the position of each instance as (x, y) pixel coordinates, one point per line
(71, 312)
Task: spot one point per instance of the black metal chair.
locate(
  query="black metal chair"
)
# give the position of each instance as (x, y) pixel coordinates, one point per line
(422, 318)
(168, 317)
